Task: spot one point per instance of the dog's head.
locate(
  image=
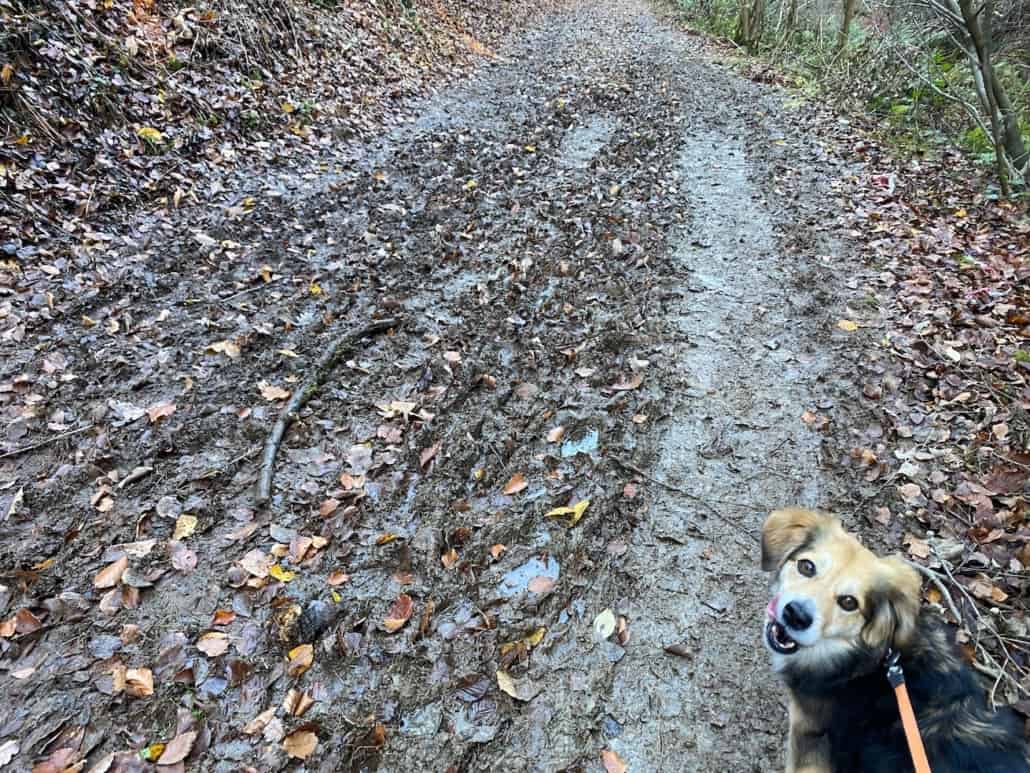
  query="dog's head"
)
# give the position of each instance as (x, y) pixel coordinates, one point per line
(836, 607)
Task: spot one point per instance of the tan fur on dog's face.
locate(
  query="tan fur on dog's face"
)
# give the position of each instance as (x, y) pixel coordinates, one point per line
(821, 573)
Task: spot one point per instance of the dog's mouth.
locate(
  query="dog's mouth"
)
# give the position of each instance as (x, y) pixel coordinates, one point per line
(778, 639)
(776, 635)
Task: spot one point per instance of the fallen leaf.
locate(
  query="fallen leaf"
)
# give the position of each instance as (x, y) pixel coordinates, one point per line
(386, 538)
(541, 584)
(612, 762)
(427, 455)
(847, 325)
(272, 392)
(16, 503)
(223, 617)
(519, 689)
(257, 562)
(139, 682)
(576, 511)
(910, 491)
(516, 484)
(449, 559)
(228, 348)
(8, 750)
(178, 748)
(184, 560)
(160, 411)
(282, 575)
(556, 434)
(301, 658)
(213, 643)
(297, 702)
(917, 548)
(111, 575)
(497, 549)
(300, 744)
(328, 507)
(150, 134)
(398, 614)
(336, 577)
(257, 725)
(185, 525)
(625, 385)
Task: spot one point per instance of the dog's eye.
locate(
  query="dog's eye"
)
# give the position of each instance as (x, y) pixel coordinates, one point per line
(847, 603)
(806, 567)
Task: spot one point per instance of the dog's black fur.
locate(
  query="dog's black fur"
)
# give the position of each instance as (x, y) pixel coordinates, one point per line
(864, 732)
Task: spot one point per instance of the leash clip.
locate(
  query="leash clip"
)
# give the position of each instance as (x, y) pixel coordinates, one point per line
(892, 664)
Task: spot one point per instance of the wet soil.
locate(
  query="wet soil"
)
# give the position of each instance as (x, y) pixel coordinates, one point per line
(602, 231)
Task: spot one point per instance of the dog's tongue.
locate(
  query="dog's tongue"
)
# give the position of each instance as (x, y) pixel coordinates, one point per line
(771, 609)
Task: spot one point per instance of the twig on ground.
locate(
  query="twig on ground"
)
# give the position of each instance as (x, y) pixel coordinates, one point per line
(48, 441)
(994, 669)
(938, 583)
(304, 393)
(703, 501)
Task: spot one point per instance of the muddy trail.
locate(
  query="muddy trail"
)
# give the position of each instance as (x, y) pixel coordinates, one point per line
(616, 287)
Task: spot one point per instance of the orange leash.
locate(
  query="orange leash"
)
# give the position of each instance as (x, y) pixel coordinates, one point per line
(896, 676)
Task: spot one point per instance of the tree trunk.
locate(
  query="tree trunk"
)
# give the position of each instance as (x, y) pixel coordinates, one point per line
(845, 25)
(792, 19)
(1010, 151)
(744, 33)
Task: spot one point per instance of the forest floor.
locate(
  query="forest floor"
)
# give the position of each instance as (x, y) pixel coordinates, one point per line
(626, 281)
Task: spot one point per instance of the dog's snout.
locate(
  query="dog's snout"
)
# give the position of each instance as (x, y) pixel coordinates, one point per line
(796, 616)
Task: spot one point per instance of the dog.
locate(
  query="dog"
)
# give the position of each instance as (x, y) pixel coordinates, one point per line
(837, 610)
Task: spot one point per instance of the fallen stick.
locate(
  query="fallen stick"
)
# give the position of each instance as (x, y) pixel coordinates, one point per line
(41, 443)
(304, 393)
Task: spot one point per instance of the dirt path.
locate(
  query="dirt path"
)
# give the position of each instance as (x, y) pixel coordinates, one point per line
(602, 232)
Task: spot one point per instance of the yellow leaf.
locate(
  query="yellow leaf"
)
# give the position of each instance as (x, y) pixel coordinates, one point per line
(282, 575)
(848, 325)
(531, 148)
(301, 659)
(471, 184)
(960, 213)
(23, 140)
(535, 638)
(150, 134)
(337, 598)
(287, 107)
(6, 74)
(87, 321)
(184, 527)
(152, 752)
(315, 289)
(576, 511)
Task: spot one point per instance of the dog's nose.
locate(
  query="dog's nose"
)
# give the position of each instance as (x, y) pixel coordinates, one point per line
(796, 616)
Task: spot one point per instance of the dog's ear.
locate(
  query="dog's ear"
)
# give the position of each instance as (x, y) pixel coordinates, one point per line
(788, 529)
(893, 605)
